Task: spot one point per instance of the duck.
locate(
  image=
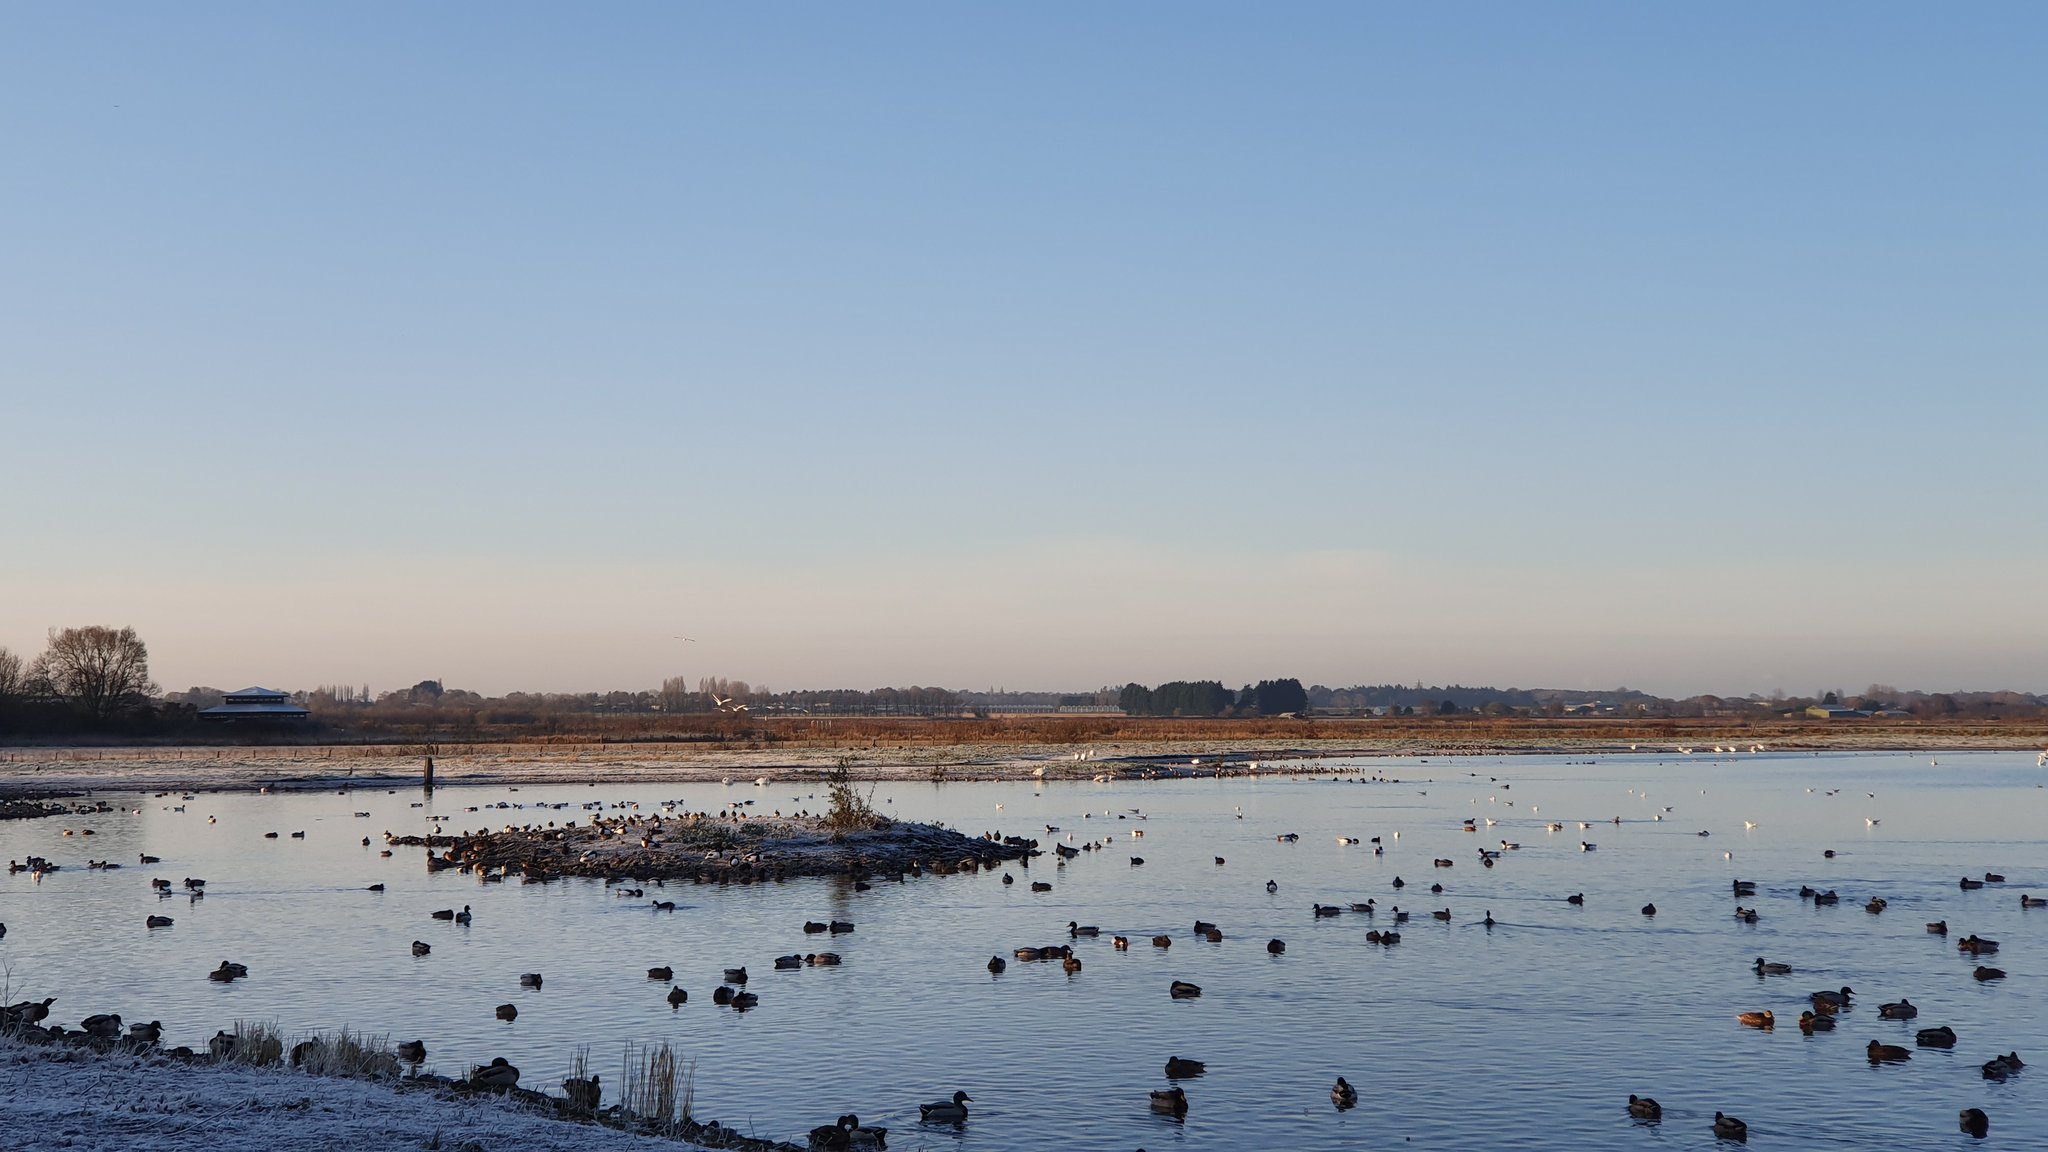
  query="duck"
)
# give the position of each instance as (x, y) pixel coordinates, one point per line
(816, 926)
(2027, 901)
(1576, 898)
(1040, 886)
(1162, 941)
(227, 973)
(1769, 968)
(1942, 1037)
(662, 973)
(1178, 1068)
(1810, 1023)
(1644, 1108)
(1886, 1053)
(677, 997)
(157, 922)
(462, 917)
(1182, 990)
(444, 914)
(529, 980)
(1076, 929)
(498, 1075)
(1903, 1010)
(583, 1093)
(412, 1051)
(864, 1138)
(1171, 1101)
(1938, 927)
(421, 948)
(735, 975)
(952, 1111)
(1071, 963)
(1762, 1019)
(508, 1011)
(1342, 1094)
(1275, 947)
(786, 963)
(1983, 973)
(105, 1025)
(1272, 886)
(1649, 909)
(148, 1033)
(1975, 1122)
(1729, 1128)
(1969, 885)
(831, 1137)
(1994, 877)
(1746, 915)
(838, 926)
(1828, 1001)
(1976, 945)
(741, 1001)
(723, 995)
(997, 964)
(1323, 910)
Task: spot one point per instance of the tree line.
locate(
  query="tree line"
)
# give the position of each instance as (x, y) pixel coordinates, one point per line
(1210, 698)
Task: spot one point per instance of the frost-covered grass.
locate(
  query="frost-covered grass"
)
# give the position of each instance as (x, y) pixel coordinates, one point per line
(58, 1097)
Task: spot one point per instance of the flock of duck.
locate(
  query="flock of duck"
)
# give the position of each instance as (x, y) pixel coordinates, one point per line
(1825, 1007)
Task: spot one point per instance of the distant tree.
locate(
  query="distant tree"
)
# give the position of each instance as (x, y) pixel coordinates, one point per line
(1446, 708)
(99, 670)
(426, 691)
(13, 676)
(1135, 700)
(1279, 697)
(1830, 700)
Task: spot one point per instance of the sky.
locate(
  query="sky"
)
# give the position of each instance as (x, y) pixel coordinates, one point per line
(1693, 349)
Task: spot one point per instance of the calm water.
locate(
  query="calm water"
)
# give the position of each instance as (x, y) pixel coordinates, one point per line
(1519, 1036)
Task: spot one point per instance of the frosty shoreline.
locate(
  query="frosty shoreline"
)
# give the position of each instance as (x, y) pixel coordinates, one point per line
(58, 1096)
(53, 771)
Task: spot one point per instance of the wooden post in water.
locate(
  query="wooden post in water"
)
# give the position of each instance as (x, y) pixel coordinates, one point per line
(429, 776)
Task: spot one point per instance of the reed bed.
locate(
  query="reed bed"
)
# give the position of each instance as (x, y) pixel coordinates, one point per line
(659, 1088)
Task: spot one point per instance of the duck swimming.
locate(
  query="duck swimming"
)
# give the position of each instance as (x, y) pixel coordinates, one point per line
(1182, 990)
(1887, 1053)
(1903, 1010)
(1644, 1108)
(1180, 1069)
(1342, 1094)
(1729, 1128)
(1810, 1023)
(952, 1111)
(1762, 1019)
(1767, 968)
(1172, 1101)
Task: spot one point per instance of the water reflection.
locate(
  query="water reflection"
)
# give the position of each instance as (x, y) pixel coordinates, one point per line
(1517, 1034)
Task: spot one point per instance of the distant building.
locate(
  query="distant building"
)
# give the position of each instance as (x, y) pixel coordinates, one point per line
(1834, 712)
(255, 704)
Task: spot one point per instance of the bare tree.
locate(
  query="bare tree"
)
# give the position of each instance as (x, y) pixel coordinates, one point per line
(13, 675)
(101, 670)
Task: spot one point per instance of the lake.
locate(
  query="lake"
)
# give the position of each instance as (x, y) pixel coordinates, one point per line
(1530, 1033)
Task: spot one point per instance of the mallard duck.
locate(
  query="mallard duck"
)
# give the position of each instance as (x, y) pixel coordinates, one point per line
(583, 1094)
(1644, 1108)
(1342, 1094)
(1276, 946)
(1942, 1037)
(412, 1051)
(1809, 1023)
(662, 973)
(838, 926)
(157, 922)
(741, 1001)
(722, 996)
(1182, 990)
(735, 975)
(1180, 1069)
(529, 980)
(499, 1075)
(1576, 898)
(421, 948)
(508, 1011)
(1938, 927)
(677, 997)
(1969, 885)
(1824, 1000)
(858, 1136)
(1983, 973)
(1649, 909)
(1762, 1019)
(816, 926)
(1077, 929)
(1903, 1010)
(1322, 910)
(1976, 945)
(1886, 1053)
(952, 1111)
(444, 914)
(1442, 914)
(997, 964)
(786, 963)
(148, 1033)
(1975, 1122)
(2033, 901)
(1040, 886)
(1768, 968)
(1729, 1128)
(1172, 1101)
(462, 917)
(1203, 927)
(1071, 963)
(1162, 941)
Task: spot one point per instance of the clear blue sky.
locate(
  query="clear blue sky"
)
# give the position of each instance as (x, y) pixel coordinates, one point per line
(1692, 348)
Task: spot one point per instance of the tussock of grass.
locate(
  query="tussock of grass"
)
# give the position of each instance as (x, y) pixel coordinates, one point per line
(350, 1055)
(257, 1043)
(660, 1088)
